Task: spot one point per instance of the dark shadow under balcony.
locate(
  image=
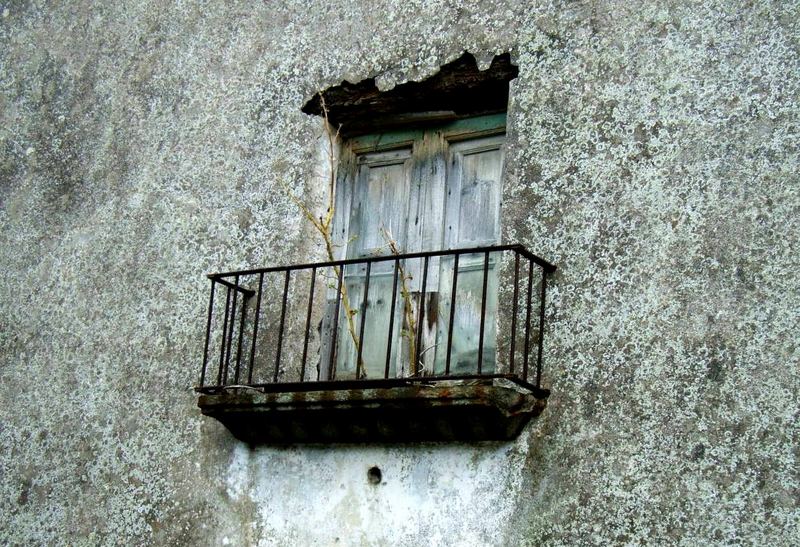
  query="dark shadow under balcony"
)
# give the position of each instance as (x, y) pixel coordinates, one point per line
(443, 345)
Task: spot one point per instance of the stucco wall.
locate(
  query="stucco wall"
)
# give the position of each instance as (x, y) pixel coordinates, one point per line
(653, 155)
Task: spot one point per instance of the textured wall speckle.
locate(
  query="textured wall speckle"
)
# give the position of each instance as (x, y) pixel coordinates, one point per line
(652, 154)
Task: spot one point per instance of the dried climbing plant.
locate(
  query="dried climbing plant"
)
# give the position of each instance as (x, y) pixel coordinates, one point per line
(409, 329)
(323, 224)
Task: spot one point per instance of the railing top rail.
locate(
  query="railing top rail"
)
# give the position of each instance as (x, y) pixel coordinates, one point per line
(545, 265)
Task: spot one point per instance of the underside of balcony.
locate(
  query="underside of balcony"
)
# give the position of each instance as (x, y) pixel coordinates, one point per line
(378, 411)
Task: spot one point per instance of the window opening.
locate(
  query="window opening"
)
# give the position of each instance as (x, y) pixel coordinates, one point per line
(420, 190)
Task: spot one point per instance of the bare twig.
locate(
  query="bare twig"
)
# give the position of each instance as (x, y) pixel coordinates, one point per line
(323, 224)
(409, 329)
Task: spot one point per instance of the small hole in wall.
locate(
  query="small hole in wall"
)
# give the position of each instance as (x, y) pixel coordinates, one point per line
(374, 475)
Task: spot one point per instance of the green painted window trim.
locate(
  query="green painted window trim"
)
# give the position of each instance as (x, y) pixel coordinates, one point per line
(494, 124)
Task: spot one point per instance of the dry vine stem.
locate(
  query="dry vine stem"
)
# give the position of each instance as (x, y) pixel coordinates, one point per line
(323, 224)
(409, 332)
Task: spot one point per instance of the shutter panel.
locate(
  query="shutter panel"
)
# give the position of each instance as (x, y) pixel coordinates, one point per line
(473, 193)
(379, 207)
(426, 233)
(472, 214)
(345, 185)
(381, 202)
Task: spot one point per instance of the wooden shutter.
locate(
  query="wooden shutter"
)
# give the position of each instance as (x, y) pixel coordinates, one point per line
(379, 210)
(472, 219)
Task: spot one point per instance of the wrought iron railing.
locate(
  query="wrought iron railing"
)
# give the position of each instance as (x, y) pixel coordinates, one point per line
(378, 321)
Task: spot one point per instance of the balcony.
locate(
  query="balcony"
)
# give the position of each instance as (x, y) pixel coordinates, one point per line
(443, 345)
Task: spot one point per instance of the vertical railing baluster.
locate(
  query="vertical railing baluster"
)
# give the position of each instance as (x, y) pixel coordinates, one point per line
(236, 374)
(359, 363)
(332, 364)
(223, 344)
(514, 314)
(541, 330)
(230, 330)
(452, 316)
(528, 322)
(421, 314)
(308, 323)
(280, 328)
(208, 334)
(391, 319)
(483, 310)
(256, 320)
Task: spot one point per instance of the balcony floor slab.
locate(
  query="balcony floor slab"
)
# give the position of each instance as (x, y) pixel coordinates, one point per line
(463, 410)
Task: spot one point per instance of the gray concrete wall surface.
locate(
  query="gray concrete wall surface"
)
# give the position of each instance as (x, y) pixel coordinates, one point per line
(652, 155)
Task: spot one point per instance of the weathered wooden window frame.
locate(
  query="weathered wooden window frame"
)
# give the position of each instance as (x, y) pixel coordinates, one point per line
(432, 155)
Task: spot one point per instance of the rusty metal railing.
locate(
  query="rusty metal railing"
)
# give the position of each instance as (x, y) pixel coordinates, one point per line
(378, 321)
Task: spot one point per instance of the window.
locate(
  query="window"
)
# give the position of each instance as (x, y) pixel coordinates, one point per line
(408, 191)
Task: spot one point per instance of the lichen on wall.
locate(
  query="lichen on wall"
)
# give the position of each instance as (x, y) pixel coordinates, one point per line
(652, 154)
